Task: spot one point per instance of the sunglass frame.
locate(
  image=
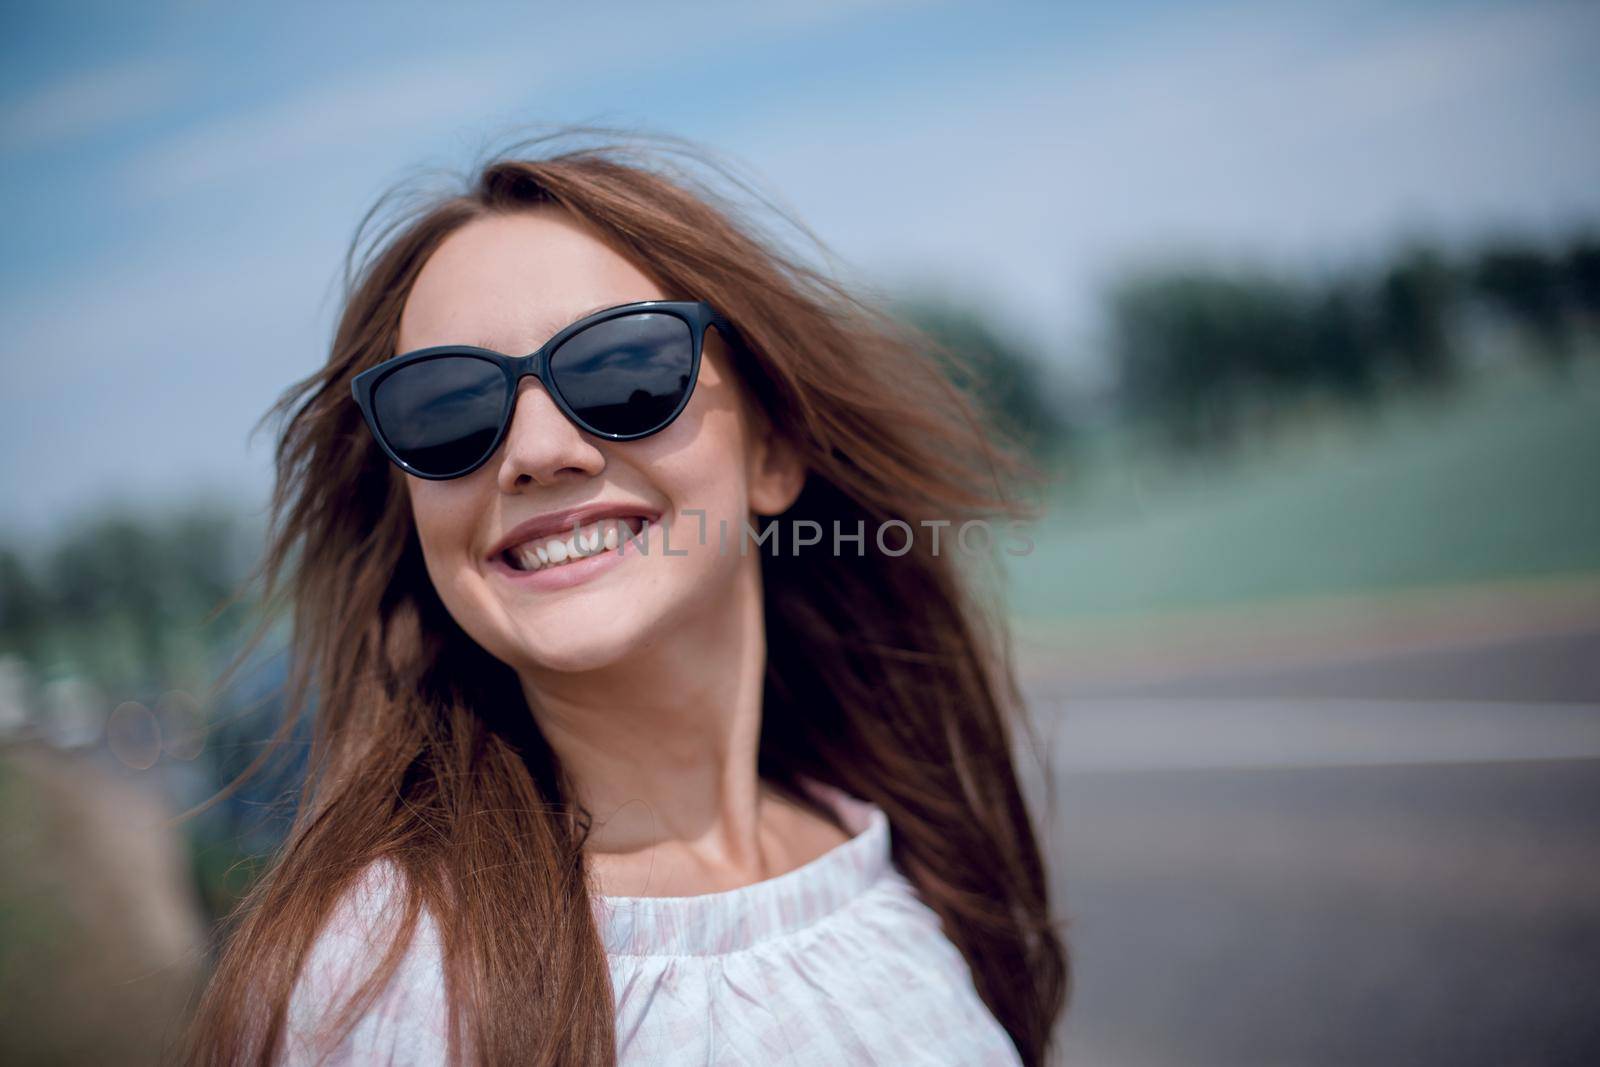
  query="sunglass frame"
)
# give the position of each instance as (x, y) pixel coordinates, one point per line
(698, 314)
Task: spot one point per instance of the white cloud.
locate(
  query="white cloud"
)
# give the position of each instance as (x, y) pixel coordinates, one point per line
(88, 102)
(1258, 130)
(343, 118)
(394, 105)
(1444, 57)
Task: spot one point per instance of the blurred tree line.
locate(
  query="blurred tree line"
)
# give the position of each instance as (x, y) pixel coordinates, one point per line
(119, 599)
(140, 608)
(1009, 381)
(1202, 353)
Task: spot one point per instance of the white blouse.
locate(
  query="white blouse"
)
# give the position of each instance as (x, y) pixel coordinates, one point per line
(835, 962)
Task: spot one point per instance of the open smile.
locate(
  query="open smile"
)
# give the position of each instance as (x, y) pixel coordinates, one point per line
(541, 553)
(549, 562)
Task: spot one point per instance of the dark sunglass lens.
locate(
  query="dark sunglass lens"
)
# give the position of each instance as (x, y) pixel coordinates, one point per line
(441, 415)
(626, 375)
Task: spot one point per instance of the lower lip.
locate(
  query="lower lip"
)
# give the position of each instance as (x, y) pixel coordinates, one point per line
(565, 575)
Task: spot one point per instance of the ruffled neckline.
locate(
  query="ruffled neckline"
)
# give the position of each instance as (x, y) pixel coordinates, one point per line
(711, 924)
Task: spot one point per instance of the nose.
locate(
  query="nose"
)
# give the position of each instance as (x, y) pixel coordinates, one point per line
(542, 446)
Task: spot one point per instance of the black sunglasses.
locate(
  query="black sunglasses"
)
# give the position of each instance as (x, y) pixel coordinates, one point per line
(622, 374)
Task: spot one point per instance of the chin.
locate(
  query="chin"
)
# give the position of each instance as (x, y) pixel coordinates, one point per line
(580, 648)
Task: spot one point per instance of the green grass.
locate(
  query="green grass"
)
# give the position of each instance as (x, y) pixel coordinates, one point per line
(1501, 480)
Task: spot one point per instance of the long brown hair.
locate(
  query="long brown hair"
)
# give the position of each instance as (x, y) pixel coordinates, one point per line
(887, 676)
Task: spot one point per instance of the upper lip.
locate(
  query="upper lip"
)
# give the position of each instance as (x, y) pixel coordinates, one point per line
(560, 523)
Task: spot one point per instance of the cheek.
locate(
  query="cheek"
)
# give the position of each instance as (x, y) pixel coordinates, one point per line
(446, 515)
(709, 475)
(707, 467)
(442, 512)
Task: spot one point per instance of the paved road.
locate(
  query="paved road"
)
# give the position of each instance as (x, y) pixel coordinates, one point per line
(1382, 860)
(1549, 667)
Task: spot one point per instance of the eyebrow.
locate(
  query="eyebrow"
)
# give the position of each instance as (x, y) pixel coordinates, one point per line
(580, 315)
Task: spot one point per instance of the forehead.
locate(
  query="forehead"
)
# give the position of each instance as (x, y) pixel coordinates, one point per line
(509, 282)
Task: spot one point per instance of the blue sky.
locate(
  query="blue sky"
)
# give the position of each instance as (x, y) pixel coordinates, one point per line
(182, 180)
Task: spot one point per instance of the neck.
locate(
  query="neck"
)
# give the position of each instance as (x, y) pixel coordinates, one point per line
(663, 745)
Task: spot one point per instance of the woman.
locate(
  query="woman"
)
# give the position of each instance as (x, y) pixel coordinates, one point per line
(614, 757)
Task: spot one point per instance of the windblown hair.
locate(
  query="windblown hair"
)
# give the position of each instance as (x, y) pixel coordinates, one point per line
(889, 677)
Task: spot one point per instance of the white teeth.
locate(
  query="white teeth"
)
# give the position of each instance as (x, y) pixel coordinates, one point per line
(584, 542)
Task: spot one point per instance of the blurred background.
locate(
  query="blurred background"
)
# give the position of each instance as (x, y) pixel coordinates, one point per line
(1299, 305)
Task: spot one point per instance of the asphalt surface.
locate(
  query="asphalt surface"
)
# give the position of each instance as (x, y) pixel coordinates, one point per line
(1384, 859)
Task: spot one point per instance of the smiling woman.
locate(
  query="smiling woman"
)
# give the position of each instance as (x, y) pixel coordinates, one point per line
(589, 782)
